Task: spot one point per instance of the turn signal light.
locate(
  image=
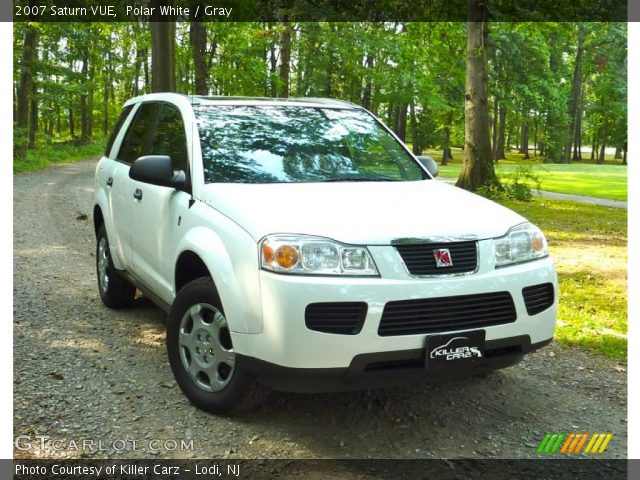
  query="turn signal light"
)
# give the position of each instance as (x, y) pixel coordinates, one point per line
(286, 256)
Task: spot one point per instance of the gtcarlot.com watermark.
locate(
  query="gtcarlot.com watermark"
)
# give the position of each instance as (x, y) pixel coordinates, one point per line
(46, 444)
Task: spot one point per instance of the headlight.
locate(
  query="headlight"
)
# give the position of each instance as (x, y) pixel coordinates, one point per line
(307, 255)
(522, 243)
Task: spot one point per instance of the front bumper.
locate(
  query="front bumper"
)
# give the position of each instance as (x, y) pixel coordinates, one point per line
(382, 369)
(285, 341)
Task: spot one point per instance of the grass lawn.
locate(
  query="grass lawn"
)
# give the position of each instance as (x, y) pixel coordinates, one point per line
(580, 178)
(43, 156)
(589, 246)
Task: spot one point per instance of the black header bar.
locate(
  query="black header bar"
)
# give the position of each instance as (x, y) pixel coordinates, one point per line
(317, 10)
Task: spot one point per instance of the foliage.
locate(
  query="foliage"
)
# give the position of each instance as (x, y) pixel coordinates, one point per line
(412, 75)
(514, 185)
(518, 183)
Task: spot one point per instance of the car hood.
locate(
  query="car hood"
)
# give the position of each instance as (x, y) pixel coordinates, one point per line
(366, 213)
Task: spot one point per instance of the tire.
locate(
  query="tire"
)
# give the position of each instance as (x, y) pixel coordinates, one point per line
(201, 353)
(115, 291)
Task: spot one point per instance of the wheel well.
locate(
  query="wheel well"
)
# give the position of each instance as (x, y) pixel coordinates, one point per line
(98, 219)
(189, 267)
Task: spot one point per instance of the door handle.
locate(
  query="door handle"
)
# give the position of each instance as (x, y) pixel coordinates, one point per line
(109, 181)
(137, 194)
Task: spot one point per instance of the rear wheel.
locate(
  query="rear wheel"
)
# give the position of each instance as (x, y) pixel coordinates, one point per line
(115, 291)
(201, 352)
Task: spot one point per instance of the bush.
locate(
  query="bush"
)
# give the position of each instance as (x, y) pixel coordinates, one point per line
(515, 185)
(494, 192)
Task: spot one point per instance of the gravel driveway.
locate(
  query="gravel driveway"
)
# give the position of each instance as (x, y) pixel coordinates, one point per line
(86, 375)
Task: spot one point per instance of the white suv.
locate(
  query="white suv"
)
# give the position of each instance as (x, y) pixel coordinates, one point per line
(298, 243)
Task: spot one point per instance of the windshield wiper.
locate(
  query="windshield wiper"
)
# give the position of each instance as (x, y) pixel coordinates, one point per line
(359, 179)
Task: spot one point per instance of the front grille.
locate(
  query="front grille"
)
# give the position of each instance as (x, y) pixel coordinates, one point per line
(420, 260)
(538, 298)
(345, 318)
(432, 315)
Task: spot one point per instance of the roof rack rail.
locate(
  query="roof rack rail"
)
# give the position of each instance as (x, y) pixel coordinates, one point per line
(197, 99)
(326, 101)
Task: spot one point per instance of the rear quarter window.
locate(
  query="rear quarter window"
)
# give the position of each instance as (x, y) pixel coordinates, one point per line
(114, 133)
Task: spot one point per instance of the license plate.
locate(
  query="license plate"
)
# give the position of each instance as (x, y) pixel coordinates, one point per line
(458, 350)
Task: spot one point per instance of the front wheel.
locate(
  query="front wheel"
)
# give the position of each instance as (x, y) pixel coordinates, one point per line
(201, 352)
(115, 291)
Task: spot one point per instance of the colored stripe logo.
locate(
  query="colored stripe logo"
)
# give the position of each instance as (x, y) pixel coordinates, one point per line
(574, 443)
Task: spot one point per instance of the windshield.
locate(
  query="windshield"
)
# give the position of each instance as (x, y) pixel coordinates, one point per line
(288, 144)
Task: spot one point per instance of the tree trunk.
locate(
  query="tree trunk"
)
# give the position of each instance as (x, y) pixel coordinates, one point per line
(524, 136)
(273, 68)
(535, 136)
(446, 141)
(50, 117)
(105, 107)
(594, 148)
(400, 121)
(25, 89)
(84, 116)
(494, 128)
(366, 95)
(328, 83)
(604, 142)
(72, 125)
(618, 154)
(285, 60)
(198, 36)
(415, 132)
(163, 65)
(145, 65)
(577, 142)
(33, 120)
(624, 157)
(574, 98)
(499, 153)
(135, 89)
(90, 103)
(107, 86)
(299, 70)
(477, 167)
(15, 102)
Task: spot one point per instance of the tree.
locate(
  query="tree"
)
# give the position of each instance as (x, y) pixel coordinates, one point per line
(25, 90)
(574, 98)
(477, 167)
(285, 59)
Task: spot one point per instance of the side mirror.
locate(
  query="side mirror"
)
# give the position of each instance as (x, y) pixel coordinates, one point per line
(157, 170)
(430, 164)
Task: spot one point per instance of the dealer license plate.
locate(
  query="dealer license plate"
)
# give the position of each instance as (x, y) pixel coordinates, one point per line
(458, 350)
